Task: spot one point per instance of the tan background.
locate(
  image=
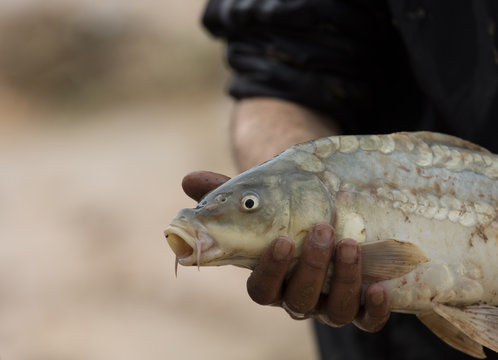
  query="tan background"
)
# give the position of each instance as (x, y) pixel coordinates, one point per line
(103, 109)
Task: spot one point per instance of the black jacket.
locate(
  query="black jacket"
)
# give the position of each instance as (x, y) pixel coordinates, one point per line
(374, 66)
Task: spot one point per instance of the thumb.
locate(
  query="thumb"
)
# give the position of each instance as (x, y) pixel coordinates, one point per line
(196, 184)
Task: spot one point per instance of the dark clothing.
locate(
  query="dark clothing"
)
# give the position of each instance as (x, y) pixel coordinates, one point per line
(374, 67)
(403, 338)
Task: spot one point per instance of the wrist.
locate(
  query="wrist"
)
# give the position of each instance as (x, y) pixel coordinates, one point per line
(263, 127)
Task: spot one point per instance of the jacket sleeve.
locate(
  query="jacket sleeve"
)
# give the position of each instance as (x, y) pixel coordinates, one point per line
(325, 54)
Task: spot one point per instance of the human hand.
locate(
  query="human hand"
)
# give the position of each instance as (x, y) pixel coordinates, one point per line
(196, 184)
(301, 297)
(300, 294)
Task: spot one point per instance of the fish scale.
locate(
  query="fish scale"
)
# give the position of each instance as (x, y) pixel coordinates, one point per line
(423, 207)
(448, 185)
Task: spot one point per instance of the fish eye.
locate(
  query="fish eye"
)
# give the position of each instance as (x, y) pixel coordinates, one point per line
(249, 202)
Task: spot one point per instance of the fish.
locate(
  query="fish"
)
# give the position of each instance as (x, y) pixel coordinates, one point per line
(422, 205)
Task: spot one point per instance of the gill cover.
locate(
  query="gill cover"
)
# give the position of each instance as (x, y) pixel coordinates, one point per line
(310, 203)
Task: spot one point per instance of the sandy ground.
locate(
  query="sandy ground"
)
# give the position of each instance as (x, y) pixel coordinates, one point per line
(86, 191)
(85, 272)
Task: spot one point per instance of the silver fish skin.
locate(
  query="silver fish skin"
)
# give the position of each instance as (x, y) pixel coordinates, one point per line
(422, 205)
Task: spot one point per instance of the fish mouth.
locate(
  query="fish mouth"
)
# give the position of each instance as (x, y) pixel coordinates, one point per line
(191, 244)
(176, 237)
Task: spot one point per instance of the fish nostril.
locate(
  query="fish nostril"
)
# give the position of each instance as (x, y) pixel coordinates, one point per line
(200, 205)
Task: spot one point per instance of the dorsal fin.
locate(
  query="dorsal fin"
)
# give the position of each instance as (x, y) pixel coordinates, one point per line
(432, 138)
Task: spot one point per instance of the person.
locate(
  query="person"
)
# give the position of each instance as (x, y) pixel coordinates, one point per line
(312, 68)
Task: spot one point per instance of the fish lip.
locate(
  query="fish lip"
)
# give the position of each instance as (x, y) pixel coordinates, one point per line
(185, 239)
(181, 242)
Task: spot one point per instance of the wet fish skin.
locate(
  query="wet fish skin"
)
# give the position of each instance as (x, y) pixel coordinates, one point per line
(239, 236)
(435, 193)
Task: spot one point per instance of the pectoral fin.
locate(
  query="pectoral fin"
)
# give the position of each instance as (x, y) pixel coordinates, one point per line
(479, 322)
(451, 334)
(388, 259)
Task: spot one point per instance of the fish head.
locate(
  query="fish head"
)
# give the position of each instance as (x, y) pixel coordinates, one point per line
(234, 223)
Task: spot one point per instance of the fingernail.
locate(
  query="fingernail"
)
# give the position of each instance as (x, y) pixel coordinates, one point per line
(348, 254)
(322, 236)
(377, 298)
(282, 249)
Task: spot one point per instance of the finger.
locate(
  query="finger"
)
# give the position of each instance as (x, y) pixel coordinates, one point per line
(376, 311)
(343, 302)
(265, 283)
(304, 287)
(198, 183)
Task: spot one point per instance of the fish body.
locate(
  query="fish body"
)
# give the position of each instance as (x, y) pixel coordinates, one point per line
(422, 205)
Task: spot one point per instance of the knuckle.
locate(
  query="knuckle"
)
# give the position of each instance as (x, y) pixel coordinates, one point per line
(343, 305)
(315, 264)
(297, 307)
(262, 292)
(324, 319)
(347, 274)
(259, 296)
(339, 319)
(315, 259)
(302, 299)
(372, 323)
(378, 314)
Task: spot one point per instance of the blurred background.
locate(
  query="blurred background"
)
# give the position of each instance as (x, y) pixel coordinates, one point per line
(104, 106)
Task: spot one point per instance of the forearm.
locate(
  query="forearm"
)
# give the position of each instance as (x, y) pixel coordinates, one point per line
(263, 127)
